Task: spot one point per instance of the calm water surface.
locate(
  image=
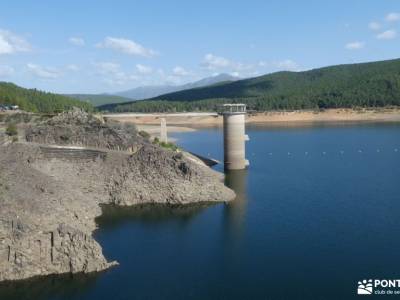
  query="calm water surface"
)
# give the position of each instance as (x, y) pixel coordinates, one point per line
(317, 210)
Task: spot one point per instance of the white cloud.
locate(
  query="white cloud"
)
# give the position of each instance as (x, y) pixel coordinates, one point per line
(242, 67)
(287, 65)
(144, 69)
(43, 72)
(126, 46)
(72, 67)
(220, 64)
(107, 67)
(180, 71)
(212, 62)
(392, 17)
(282, 65)
(387, 35)
(355, 45)
(118, 78)
(262, 63)
(161, 72)
(6, 71)
(11, 43)
(374, 26)
(112, 74)
(113, 81)
(77, 41)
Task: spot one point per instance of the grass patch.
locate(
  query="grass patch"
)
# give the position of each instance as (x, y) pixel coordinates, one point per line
(170, 146)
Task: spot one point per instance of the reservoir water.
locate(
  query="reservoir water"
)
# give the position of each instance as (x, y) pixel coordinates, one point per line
(317, 211)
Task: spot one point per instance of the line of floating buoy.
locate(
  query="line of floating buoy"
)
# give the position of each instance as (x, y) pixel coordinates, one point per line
(324, 152)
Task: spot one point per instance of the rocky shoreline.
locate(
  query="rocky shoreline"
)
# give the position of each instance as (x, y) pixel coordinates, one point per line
(53, 183)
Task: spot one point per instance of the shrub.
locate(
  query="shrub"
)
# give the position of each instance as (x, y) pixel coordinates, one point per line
(144, 134)
(170, 146)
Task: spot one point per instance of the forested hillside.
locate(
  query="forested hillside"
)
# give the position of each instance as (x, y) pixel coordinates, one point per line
(99, 99)
(374, 84)
(38, 101)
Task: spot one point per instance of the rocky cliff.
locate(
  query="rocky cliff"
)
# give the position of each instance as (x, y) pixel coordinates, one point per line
(50, 195)
(78, 128)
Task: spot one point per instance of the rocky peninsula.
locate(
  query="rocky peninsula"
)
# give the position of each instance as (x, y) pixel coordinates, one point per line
(54, 179)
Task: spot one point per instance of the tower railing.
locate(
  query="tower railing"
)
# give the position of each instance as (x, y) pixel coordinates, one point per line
(234, 108)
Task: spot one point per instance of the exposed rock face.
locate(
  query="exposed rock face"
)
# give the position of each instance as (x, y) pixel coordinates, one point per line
(157, 176)
(27, 252)
(40, 231)
(3, 138)
(50, 196)
(81, 129)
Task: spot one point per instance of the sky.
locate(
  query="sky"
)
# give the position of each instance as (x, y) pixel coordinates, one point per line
(97, 46)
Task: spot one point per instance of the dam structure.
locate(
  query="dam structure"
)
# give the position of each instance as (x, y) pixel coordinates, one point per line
(234, 136)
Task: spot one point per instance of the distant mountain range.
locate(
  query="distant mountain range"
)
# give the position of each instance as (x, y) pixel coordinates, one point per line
(146, 92)
(373, 84)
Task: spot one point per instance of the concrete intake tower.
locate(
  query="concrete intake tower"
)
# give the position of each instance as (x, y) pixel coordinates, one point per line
(234, 136)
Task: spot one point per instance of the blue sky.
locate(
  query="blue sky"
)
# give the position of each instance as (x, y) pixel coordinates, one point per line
(106, 46)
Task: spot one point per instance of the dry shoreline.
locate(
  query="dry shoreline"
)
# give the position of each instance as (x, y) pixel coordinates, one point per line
(184, 122)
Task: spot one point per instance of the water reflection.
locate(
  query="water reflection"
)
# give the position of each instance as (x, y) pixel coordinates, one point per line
(235, 211)
(49, 287)
(113, 216)
(76, 286)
